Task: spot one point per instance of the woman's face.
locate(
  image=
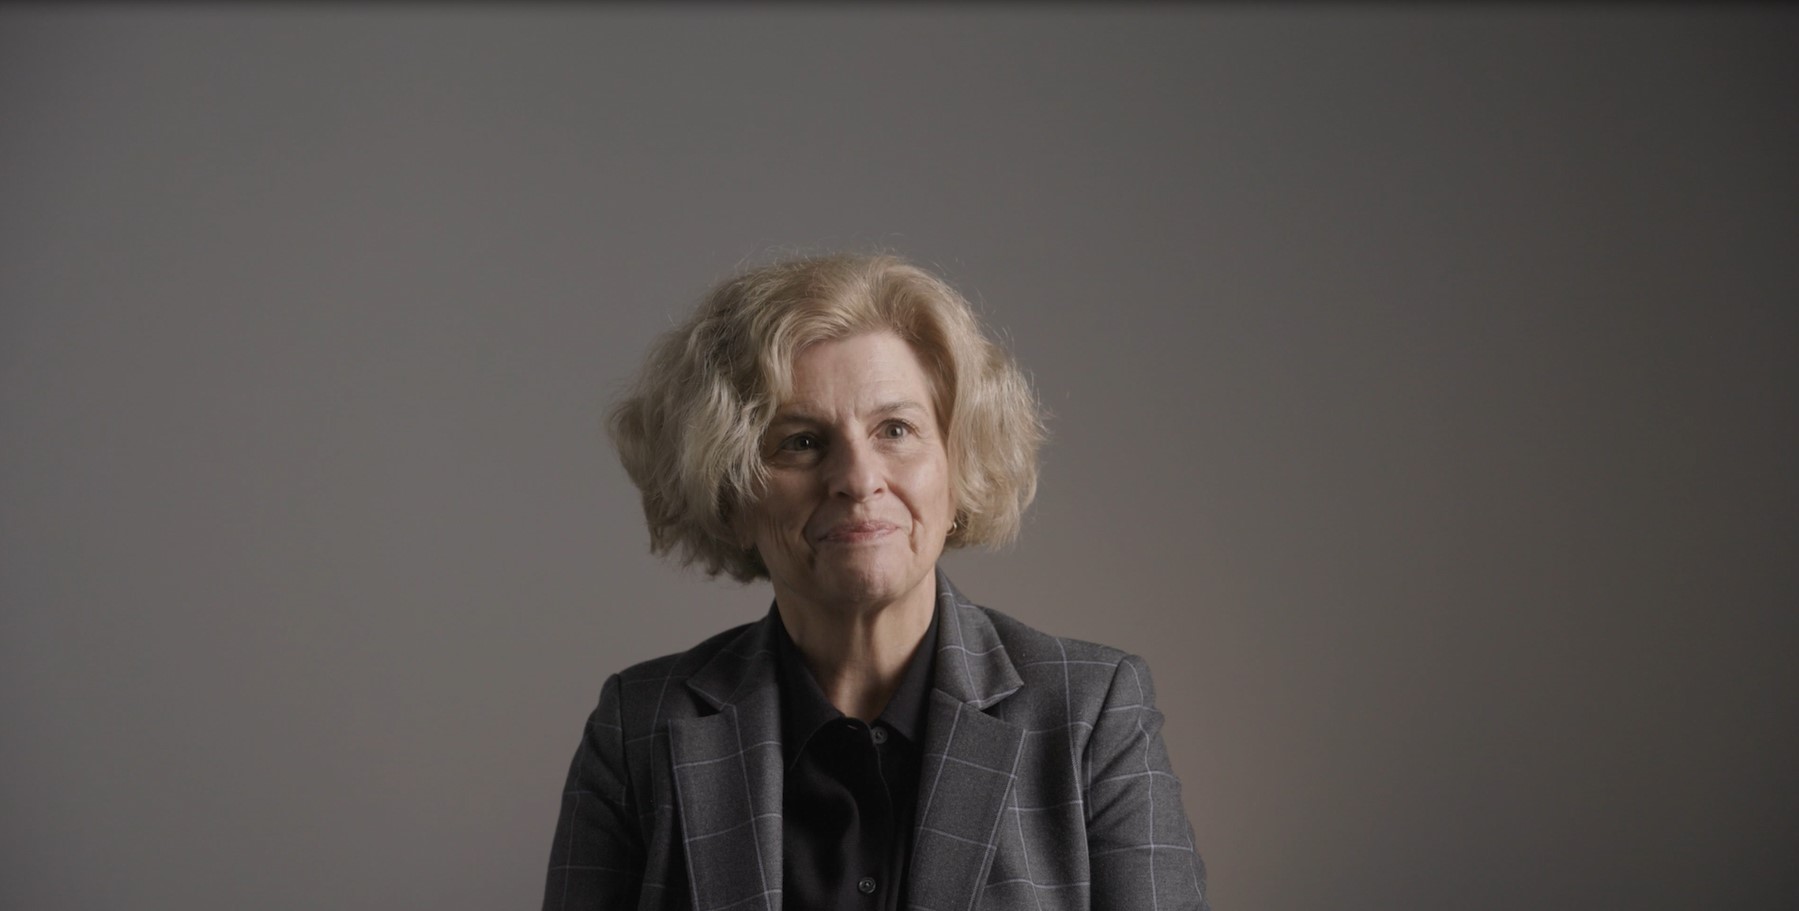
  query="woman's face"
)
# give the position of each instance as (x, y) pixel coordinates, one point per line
(858, 498)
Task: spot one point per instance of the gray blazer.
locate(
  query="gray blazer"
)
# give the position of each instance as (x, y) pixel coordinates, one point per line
(1044, 783)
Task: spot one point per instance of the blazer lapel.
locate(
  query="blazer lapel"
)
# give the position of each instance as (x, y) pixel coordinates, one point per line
(727, 771)
(970, 758)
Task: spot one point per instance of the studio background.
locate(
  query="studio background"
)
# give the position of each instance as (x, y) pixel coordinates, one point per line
(1424, 393)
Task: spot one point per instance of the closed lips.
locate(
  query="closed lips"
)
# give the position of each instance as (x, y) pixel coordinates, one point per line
(855, 531)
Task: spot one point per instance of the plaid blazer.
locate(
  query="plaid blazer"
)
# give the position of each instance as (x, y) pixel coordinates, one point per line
(1044, 783)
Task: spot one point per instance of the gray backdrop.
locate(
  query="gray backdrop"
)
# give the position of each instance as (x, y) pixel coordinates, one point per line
(1424, 389)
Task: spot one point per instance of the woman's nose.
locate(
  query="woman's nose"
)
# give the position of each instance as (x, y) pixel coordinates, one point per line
(855, 471)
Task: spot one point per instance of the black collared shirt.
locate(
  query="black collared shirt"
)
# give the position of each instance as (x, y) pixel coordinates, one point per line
(850, 789)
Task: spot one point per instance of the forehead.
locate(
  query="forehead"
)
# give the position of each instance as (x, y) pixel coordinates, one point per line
(874, 368)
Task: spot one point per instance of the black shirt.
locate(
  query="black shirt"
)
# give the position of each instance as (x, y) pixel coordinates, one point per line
(850, 789)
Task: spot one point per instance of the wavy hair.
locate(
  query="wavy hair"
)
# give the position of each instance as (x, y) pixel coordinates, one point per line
(689, 431)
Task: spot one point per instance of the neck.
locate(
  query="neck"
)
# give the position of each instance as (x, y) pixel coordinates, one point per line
(859, 655)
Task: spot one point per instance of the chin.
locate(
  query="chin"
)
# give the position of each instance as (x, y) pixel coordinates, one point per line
(866, 583)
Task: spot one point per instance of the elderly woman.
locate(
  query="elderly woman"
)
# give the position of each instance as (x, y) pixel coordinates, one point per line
(877, 740)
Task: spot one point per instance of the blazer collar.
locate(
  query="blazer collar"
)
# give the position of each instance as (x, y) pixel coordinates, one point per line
(727, 776)
(728, 766)
(972, 665)
(970, 758)
(743, 667)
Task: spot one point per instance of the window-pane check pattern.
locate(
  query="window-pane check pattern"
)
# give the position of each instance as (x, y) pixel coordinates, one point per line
(1044, 785)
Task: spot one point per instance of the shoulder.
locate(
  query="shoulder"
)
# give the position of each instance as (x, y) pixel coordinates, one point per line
(683, 664)
(1065, 677)
(1029, 645)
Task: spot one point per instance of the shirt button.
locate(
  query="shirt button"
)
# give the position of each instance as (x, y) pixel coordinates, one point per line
(865, 885)
(879, 734)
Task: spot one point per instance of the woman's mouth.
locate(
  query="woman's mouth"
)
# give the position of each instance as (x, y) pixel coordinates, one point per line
(859, 532)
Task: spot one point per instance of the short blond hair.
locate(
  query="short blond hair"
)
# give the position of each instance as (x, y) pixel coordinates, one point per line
(689, 431)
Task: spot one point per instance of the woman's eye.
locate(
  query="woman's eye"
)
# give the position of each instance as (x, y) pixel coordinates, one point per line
(895, 430)
(800, 442)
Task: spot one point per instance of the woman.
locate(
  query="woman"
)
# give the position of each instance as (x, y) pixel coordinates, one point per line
(877, 740)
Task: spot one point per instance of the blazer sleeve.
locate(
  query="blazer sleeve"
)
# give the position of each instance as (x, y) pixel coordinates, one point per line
(597, 857)
(1139, 844)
